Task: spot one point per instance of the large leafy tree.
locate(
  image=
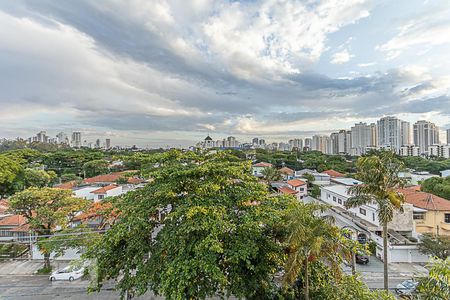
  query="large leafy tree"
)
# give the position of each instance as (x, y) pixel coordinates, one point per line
(379, 174)
(37, 178)
(46, 210)
(9, 171)
(438, 186)
(95, 167)
(204, 226)
(437, 246)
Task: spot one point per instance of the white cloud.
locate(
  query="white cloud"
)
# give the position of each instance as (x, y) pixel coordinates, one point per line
(365, 65)
(341, 57)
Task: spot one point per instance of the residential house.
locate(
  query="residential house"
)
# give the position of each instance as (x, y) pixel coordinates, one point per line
(287, 173)
(13, 227)
(319, 178)
(299, 186)
(431, 213)
(107, 191)
(259, 167)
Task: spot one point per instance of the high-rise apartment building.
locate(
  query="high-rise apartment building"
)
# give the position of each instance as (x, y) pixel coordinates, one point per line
(308, 144)
(76, 139)
(334, 143)
(42, 137)
(425, 134)
(363, 136)
(393, 133)
(61, 138)
(321, 143)
(255, 141)
(448, 136)
(296, 144)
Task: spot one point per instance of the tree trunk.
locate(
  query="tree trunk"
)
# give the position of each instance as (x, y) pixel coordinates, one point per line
(353, 264)
(385, 256)
(46, 260)
(307, 278)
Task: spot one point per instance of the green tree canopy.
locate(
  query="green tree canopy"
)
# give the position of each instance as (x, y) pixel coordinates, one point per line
(436, 286)
(437, 186)
(221, 233)
(9, 171)
(437, 246)
(47, 209)
(95, 167)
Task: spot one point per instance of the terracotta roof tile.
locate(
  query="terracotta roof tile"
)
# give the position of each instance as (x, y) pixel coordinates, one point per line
(287, 190)
(3, 206)
(425, 200)
(13, 220)
(296, 182)
(262, 164)
(67, 185)
(333, 173)
(104, 189)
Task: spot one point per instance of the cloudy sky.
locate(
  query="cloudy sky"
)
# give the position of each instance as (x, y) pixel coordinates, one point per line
(168, 72)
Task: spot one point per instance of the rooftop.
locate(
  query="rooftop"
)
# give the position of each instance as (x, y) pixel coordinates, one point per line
(287, 171)
(296, 182)
(425, 200)
(346, 181)
(13, 221)
(262, 164)
(104, 189)
(333, 173)
(287, 190)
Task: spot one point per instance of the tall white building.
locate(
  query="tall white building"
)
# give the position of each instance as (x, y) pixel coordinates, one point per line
(76, 139)
(321, 143)
(344, 142)
(363, 136)
(108, 143)
(296, 144)
(425, 134)
(439, 151)
(448, 136)
(61, 138)
(42, 137)
(334, 143)
(308, 144)
(393, 133)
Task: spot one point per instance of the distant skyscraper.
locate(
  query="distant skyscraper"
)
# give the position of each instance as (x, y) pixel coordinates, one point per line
(448, 136)
(262, 142)
(425, 134)
(321, 143)
(393, 133)
(296, 144)
(108, 144)
(344, 142)
(97, 143)
(61, 138)
(42, 137)
(334, 141)
(76, 139)
(308, 143)
(363, 136)
(255, 141)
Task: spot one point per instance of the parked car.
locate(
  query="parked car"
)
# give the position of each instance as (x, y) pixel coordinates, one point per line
(68, 273)
(362, 259)
(407, 287)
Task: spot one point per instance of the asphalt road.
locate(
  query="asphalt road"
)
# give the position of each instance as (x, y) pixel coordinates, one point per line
(34, 287)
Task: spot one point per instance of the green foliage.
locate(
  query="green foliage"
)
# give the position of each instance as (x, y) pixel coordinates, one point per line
(221, 236)
(271, 174)
(432, 165)
(437, 186)
(11, 250)
(437, 246)
(314, 191)
(9, 170)
(69, 177)
(46, 209)
(70, 161)
(37, 178)
(95, 167)
(436, 286)
(46, 270)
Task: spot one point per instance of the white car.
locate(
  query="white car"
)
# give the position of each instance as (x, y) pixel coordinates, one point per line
(68, 273)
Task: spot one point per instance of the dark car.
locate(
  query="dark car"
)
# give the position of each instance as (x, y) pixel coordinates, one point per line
(362, 259)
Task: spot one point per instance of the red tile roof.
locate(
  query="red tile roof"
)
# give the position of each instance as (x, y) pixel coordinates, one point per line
(287, 171)
(296, 182)
(262, 164)
(104, 189)
(425, 200)
(287, 190)
(67, 185)
(113, 177)
(134, 180)
(333, 173)
(14, 220)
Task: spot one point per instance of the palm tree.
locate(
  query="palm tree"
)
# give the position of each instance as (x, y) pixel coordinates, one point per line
(310, 238)
(379, 174)
(271, 174)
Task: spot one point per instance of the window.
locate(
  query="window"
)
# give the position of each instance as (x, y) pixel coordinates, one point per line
(328, 195)
(302, 189)
(418, 215)
(373, 217)
(101, 197)
(340, 201)
(334, 198)
(362, 211)
(447, 218)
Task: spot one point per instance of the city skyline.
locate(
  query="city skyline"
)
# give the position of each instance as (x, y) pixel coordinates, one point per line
(168, 73)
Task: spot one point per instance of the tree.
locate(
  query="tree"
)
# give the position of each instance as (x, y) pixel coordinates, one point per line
(9, 171)
(95, 167)
(69, 177)
(379, 174)
(203, 227)
(438, 186)
(437, 246)
(46, 209)
(37, 178)
(436, 286)
(312, 238)
(270, 174)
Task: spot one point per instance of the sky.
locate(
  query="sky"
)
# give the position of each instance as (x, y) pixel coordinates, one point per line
(168, 72)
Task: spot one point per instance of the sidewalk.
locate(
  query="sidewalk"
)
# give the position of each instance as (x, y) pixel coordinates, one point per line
(25, 267)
